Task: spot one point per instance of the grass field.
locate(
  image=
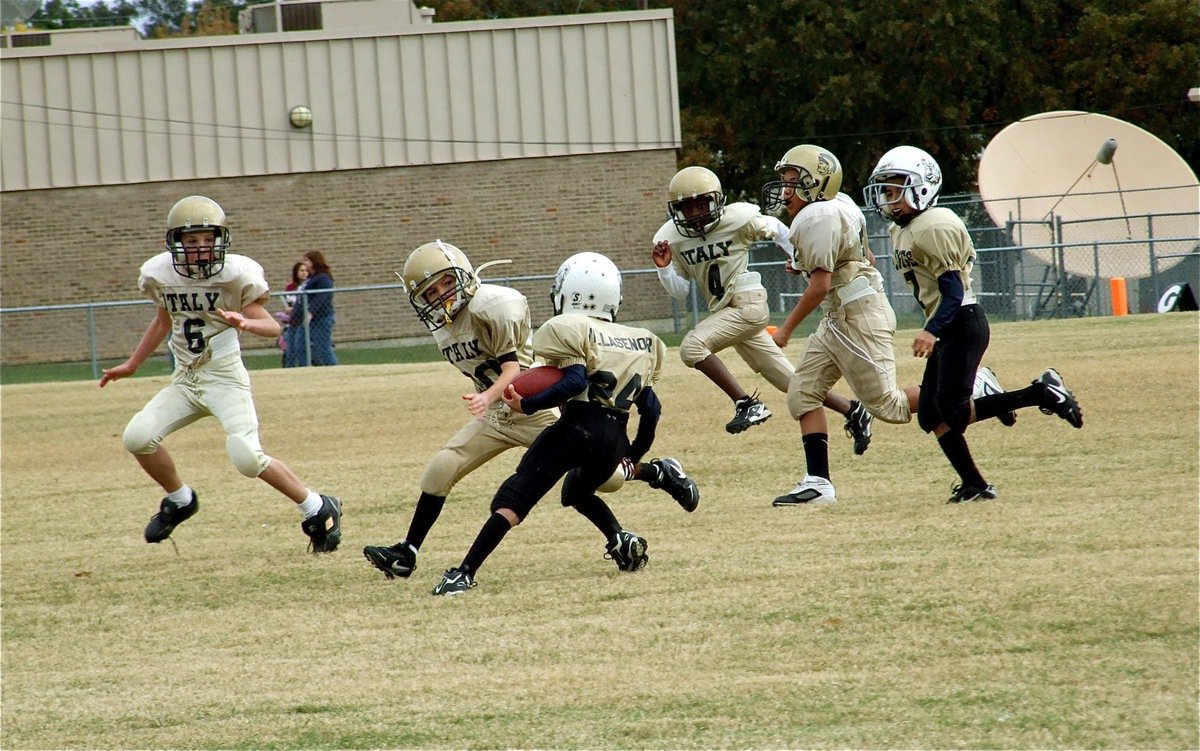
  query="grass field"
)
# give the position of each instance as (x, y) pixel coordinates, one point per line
(1063, 615)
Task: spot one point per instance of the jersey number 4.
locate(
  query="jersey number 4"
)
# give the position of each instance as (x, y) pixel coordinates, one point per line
(602, 384)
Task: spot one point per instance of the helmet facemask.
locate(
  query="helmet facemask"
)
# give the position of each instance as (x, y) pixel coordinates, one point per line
(441, 310)
(696, 216)
(191, 216)
(198, 261)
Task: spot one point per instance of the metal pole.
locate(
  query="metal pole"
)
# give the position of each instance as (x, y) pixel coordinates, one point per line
(92, 341)
(1096, 277)
(695, 299)
(307, 338)
(1062, 268)
(1153, 258)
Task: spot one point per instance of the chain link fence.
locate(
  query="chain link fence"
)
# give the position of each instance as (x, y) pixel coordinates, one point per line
(1027, 269)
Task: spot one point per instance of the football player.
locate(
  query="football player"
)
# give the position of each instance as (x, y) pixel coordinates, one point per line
(205, 297)
(934, 252)
(708, 242)
(828, 244)
(484, 332)
(608, 368)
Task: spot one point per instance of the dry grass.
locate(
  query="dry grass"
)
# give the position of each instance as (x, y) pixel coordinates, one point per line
(1062, 615)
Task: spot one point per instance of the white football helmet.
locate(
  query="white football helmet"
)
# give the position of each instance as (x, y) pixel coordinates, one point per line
(913, 170)
(693, 185)
(587, 283)
(197, 214)
(819, 176)
(427, 265)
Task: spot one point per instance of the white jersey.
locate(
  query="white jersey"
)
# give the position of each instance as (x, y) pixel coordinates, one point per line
(198, 334)
(494, 322)
(718, 262)
(832, 236)
(620, 360)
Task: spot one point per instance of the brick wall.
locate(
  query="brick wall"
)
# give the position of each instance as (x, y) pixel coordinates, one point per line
(84, 245)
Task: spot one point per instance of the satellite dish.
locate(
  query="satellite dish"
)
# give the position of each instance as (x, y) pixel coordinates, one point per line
(13, 12)
(1105, 180)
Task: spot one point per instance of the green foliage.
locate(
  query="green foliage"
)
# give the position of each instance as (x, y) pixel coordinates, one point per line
(859, 79)
(69, 14)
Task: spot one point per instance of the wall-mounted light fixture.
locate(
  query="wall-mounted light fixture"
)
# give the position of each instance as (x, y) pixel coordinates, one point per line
(300, 116)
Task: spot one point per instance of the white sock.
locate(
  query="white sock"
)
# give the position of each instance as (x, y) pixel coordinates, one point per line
(311, 505)
(181, 497)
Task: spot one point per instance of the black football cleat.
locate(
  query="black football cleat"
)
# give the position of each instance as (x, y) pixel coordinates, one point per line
(398, 560)
(858, 426)
(748, 412)
(967, 494)
(324, 529)
(627, 550)
(454, 582)
(675, 482)
(1058, 400)
(169, 517)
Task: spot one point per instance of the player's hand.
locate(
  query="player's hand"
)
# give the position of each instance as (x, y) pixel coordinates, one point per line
(124, 370)
(923, 344)
(662, 254)
(513, 399)
(790, 268)
(781, 337)
(478, 404)
(236, 320)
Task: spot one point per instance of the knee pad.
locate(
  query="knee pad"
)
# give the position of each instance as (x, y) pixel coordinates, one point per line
(247, 457)
(513, 495)
(139, 436)
(441, 472)
(692, 350)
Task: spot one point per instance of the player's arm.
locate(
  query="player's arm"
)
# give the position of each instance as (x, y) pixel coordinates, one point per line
(253, 319)
(675, 285)
(950, 286)
(154, 336)
(479, 402)
(573, 383)
(819, 283)
(649, 411)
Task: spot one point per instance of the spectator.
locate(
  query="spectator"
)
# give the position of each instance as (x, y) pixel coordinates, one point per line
(291, 342)
(319, 306)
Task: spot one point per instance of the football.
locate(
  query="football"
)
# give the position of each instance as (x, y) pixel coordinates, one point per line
(536, 380)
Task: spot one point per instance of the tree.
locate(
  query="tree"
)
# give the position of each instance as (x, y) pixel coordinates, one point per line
(69, 14)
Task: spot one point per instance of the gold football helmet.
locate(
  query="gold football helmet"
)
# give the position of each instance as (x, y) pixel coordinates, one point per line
(697, 189)
(819, 177)
(197, 214)
(429, 264)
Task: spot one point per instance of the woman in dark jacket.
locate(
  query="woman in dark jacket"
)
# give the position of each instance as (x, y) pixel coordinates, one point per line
(319, 303)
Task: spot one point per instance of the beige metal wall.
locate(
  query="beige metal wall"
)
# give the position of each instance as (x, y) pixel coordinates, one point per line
(217, 107)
